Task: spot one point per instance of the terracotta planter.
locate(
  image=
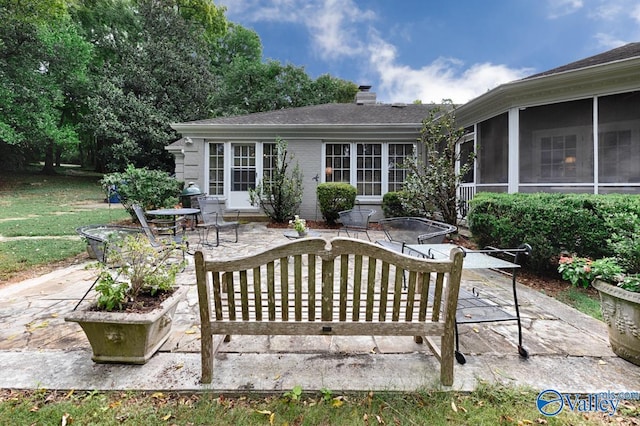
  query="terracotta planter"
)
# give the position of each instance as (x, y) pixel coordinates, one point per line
(128, 338)
(621, 313)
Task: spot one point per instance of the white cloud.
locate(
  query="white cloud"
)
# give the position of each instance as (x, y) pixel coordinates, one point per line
(444, 78)
(635, 13)
(608, 41)
(559, 8)
(331, 23)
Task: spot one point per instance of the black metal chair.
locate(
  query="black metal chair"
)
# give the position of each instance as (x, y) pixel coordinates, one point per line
(355, 220)
(212, 217)
(413, 230)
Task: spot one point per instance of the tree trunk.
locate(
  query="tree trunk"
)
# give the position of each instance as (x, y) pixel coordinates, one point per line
(58, 156)
(48, 168)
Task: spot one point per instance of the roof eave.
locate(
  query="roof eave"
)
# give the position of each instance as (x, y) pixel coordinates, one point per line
(567, 85)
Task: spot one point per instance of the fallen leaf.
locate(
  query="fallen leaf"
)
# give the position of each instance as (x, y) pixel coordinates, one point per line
(54, 315)
(266, 412)
(65, 418)
(337, 402)
(541, 421)
(167, 417)
(191, 331)
(475, 329)
(272, 418)
(157, 395)
(453, 407)
(601, 362)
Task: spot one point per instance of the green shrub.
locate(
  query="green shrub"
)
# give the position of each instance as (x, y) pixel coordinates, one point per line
(625, 239)
(335, 197)
(394, 205)
(151, 189)
(550, 223)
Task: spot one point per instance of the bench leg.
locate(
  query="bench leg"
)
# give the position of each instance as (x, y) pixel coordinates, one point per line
(206, 357)
(446, 360)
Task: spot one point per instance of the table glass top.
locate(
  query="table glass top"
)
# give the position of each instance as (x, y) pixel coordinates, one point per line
(172, 212)
(472, 260)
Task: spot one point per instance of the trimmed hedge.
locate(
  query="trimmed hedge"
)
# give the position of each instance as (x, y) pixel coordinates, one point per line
(550, 223)
(335, 197)
(393, 205)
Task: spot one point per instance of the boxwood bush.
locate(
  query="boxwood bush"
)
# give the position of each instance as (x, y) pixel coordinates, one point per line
(393, 205)
(335, 197)
(550, 223)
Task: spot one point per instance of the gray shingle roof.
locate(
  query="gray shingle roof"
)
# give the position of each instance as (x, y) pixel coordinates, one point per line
(627, 51)
(335, 114)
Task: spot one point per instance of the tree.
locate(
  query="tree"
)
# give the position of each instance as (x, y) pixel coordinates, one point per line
(44, 80)
(432, 185)
(147, 81)
(280, 194)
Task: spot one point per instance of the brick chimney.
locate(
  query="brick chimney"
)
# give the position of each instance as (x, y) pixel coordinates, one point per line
(364, 96)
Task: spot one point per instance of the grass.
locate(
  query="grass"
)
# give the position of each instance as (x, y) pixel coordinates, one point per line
(44, 212)
(489, 405)
(581, 300)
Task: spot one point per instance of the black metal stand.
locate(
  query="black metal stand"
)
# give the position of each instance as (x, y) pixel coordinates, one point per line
(493, 312)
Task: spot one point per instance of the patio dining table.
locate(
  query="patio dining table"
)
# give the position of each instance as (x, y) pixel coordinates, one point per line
(175, 213)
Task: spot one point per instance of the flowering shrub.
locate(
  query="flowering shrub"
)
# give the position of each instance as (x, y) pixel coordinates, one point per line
(582, 271)
(298, 224)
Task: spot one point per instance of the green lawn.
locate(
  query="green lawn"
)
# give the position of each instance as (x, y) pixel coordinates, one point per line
(489, 405)
(44, 211)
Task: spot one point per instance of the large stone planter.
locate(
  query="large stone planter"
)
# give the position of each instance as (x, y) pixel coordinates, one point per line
(128, 338)
(621, 313)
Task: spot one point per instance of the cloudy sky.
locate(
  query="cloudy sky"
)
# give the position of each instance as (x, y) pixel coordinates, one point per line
(435, 49)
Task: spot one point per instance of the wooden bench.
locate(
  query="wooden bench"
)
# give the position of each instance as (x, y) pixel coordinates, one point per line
(341, 287)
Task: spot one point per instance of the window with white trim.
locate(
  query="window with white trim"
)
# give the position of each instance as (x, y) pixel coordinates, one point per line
(377, 168)
(216, 168)
(269, 158)
(338, 162)
(398, 152)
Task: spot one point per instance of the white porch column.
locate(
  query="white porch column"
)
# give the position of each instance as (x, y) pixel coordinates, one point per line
(514, 150)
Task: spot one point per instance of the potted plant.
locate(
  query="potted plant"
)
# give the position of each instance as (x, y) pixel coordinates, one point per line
(299, 225)
(136, 300)
(619, 297)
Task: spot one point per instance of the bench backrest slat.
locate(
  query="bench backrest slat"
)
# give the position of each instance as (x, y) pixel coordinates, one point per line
(284, 288)
(257, 292)
(271, 291)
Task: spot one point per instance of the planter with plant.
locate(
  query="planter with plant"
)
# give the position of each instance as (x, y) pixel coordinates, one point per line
(299, 225)
(619, 297)
(136, 301)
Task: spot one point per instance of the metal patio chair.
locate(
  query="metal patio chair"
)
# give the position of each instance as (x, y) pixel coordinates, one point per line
(161, 236)
(212, 217)
(355, 220)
